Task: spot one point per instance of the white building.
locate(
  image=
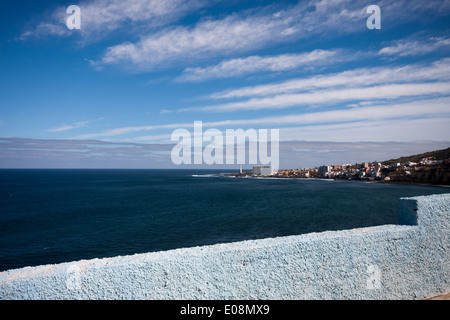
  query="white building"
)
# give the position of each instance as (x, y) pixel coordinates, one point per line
(323, 170)
(263, 170)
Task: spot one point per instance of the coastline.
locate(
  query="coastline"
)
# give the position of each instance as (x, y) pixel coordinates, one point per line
(281, 177)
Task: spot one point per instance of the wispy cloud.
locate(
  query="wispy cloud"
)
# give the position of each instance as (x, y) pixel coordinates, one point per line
(100, 17)
(385, 130)
(157, 37)
(423, 108)
(419, 72)
(253, 64)
(75, 125)
(236, 33)
(327, 97)
(198, 42)
(409, 47)
(128, 130)
(255, 29)
(366, 115)
(45, 29)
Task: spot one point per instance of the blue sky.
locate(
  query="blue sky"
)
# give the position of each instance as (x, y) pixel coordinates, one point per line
(137, 70)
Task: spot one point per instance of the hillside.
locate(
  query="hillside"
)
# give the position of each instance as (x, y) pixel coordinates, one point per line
(429, 174)
(438, 155)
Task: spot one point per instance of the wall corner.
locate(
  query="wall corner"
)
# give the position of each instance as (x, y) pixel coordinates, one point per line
(407, 212)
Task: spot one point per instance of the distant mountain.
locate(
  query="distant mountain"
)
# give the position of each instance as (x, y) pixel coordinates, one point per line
(438, 155)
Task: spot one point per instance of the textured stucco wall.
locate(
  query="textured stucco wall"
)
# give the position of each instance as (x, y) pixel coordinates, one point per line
(407, 261)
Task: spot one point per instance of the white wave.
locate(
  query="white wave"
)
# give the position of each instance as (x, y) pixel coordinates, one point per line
(204, 175)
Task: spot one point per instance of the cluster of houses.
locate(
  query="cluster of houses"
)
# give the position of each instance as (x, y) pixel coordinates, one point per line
(345, 171)
(365, 171)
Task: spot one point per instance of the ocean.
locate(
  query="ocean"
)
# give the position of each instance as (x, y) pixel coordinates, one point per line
(53, 216)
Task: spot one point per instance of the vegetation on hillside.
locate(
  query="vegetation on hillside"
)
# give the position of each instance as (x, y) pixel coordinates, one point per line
(436, 155)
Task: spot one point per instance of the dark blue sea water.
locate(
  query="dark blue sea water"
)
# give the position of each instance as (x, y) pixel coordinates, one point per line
(52, 216)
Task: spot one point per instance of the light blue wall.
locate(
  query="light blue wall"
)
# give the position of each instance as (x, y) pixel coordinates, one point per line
(407, 261)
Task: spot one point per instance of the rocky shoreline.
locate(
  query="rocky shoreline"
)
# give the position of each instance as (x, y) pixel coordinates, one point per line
(395, 179)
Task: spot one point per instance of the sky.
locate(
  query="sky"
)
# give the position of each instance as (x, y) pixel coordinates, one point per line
(111, 93)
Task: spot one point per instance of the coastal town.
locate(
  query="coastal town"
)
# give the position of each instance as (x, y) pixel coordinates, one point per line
(428, 170)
